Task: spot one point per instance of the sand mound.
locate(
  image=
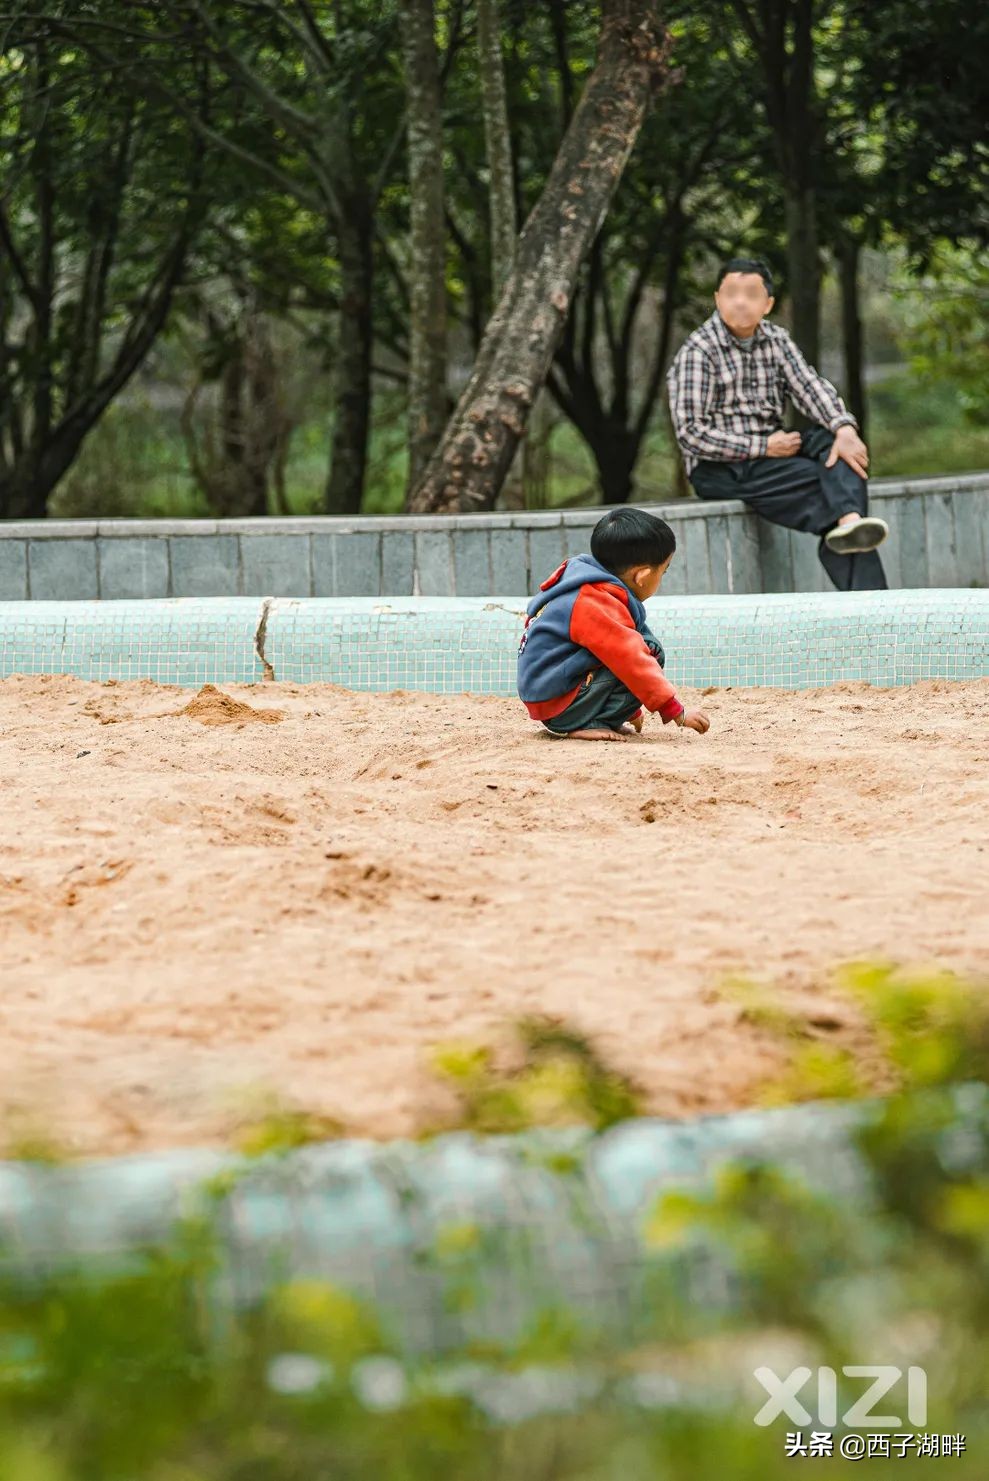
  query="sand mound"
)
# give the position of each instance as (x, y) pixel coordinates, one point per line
(212, 707)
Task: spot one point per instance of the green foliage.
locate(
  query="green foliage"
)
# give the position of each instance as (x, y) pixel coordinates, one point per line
(817, 1072)
(944, 313)
(134, 465)
(103, 207)
(752, 1214)
(926, 1029)
(270, 135)
(916, 84)
(113, 1374)
(918, 425)
(556, 1079)
(933, 1028)
(276, 1129)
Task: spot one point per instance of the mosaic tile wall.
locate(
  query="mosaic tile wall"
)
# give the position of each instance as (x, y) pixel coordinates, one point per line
(358, 1214)
(450, 646)
(940, 538)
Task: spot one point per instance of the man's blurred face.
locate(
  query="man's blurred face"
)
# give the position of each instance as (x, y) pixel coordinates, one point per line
(743, 302)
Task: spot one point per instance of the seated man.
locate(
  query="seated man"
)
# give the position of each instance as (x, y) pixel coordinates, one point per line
(728, 388)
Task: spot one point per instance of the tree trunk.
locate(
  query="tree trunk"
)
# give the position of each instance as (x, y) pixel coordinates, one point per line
(539, 453)
(781, 33)
(681, 483)
(267, 415)
(24, 494)
(802, 135)
(497, 144)
(613, 429)
(849, 256)
(501, 191)
(616, 451)
(427, 289)
(558, 22)
(470, 464)
(252, 426)
(804, 270)
(56, 379)
(352, 365)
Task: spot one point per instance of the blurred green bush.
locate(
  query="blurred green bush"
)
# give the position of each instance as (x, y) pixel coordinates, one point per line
(140, 1375)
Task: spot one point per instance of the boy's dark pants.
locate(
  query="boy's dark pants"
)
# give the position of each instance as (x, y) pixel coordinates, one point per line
(801, 494)
(603, 702)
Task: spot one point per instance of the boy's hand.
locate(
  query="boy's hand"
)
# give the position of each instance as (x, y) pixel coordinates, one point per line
(696, 720)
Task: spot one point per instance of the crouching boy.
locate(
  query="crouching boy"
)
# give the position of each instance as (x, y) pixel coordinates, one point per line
(588, 663)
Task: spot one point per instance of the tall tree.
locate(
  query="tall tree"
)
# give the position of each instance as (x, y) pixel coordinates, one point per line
(905, 155)
(254, 321)
(848, 255)
(920, 88)
(700, 142)
(102, 205)
(467, 469)
(318, 77)
(287, 113)
(237, 448)
(782, 34)
(502, 209)
(427, 270)
(497, 144)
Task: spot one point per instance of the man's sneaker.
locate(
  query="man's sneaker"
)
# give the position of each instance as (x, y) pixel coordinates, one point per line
(858, 536)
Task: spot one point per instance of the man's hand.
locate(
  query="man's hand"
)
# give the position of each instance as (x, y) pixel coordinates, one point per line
(696, 720)
(849, 446)
(783, 445)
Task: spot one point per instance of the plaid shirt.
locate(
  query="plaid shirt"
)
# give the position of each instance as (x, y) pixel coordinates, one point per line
(727, 400)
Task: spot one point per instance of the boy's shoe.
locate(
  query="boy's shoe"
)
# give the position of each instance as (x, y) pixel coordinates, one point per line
(857, 536)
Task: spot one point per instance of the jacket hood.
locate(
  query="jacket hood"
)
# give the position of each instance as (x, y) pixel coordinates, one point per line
(578, 571)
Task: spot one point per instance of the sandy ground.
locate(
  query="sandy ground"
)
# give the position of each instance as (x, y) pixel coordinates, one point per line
(195, 901)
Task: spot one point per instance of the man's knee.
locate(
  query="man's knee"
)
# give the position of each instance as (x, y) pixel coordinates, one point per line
(816, 443)
(706, 486)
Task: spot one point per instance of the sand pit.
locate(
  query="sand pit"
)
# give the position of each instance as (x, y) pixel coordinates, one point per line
(190, 910)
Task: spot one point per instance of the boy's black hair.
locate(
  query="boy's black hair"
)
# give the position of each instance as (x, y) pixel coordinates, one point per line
(631, 537)
(747, 265)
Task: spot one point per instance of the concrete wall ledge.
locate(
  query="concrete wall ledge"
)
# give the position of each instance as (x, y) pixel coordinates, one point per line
(940, 538)
(302, 524)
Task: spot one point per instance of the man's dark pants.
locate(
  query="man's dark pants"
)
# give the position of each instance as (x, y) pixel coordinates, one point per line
(801, 494)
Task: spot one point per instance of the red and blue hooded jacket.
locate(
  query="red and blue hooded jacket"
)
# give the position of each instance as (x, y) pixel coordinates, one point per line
(584, 618)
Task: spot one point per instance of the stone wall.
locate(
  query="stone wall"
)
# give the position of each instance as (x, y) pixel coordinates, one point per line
(940, 538)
